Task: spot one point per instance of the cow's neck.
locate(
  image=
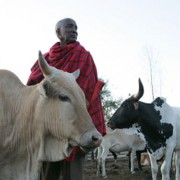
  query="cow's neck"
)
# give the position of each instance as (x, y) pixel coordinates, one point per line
(156, 133)
(52, 149)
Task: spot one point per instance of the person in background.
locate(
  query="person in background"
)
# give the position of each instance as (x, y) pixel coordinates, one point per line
(69, 55)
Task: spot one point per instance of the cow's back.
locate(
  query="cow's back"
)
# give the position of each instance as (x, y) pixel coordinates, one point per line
(10, 87)
(9, 80)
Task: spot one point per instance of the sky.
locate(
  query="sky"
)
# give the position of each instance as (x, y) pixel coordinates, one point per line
(121, 35)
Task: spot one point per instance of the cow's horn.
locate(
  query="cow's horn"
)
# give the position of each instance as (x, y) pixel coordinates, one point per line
(44, 65)
(76, 73)
(140, 93)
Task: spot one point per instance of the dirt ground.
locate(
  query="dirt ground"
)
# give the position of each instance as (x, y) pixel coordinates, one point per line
(119, 171)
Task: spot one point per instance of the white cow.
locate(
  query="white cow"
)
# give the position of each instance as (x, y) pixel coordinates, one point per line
(41, 122)
(159, 125)
(118, 141)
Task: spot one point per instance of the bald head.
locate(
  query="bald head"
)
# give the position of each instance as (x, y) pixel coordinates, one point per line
(66, 31)
(63, 22)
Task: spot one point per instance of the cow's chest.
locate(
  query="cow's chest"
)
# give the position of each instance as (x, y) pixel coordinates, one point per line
(158, 153)
(156, 137)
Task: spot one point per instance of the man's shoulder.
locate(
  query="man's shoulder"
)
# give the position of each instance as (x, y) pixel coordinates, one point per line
(82, 47)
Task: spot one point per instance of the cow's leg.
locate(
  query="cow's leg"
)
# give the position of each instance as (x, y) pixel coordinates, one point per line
(177, 164)
(138, 155)
(132, 157)
(114, 155)
(99, 152)
(173, 162)
(166, 165)
(104, 156)
(154, 166)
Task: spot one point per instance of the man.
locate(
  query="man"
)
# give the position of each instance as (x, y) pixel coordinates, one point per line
(69, 55)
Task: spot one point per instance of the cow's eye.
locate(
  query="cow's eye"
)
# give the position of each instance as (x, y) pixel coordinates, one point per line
(63, 97)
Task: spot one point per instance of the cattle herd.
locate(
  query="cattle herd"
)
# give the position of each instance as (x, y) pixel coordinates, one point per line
(43, 122)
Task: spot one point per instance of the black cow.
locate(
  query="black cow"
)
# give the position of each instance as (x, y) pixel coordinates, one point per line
(157, 123)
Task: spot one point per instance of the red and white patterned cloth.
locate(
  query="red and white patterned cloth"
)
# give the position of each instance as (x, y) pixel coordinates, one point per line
(70, 58)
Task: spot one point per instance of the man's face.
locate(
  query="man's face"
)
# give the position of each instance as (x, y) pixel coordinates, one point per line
(68, 32)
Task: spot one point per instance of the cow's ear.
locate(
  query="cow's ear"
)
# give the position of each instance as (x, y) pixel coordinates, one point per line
(76, 73)
(48, 89)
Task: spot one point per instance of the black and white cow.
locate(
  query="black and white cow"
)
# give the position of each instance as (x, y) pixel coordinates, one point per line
(158, 123)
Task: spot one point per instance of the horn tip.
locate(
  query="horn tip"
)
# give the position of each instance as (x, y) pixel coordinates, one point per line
(140, 80)
(40, 53)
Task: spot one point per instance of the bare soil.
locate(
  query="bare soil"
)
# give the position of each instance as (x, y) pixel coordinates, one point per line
(119, 171)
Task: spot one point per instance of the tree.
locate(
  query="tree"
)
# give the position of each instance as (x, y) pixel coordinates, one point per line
(154, 72)
(108, 102)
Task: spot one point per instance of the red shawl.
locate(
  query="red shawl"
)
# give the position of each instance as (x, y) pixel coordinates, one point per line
(70, 58)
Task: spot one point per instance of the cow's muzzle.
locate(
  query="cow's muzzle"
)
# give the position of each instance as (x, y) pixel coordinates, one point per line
(90, 140)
